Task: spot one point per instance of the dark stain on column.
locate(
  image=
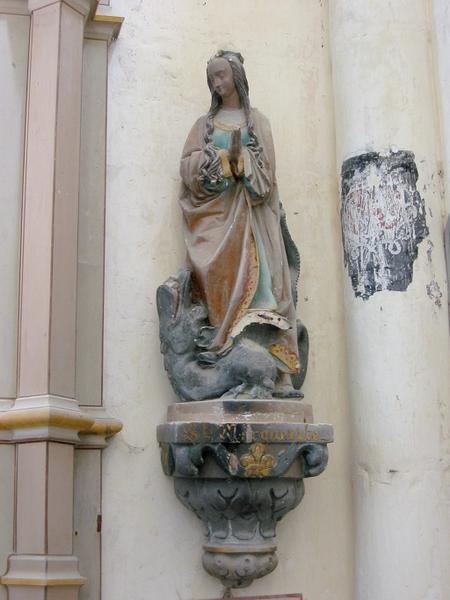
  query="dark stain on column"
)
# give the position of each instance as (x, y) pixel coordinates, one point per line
(383, 221)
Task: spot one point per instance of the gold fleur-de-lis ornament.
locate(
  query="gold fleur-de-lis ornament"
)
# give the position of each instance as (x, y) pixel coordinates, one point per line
(257, 463)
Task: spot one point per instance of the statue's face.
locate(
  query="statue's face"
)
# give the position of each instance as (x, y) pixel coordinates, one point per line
(221, 77)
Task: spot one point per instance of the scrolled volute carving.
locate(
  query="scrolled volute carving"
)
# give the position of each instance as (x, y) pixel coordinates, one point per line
(243, 460)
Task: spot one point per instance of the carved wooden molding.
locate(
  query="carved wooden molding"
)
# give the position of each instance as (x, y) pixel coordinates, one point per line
(56, 418)
(104, 28)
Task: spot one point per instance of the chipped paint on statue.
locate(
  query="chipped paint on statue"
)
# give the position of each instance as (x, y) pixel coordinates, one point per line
(228, 320)
(383, 221)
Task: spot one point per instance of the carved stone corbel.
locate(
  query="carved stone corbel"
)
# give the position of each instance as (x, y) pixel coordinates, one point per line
(239, 465)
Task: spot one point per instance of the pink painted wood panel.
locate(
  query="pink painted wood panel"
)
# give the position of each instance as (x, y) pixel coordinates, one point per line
(87, 507)
(31, 498)
(38, 216)
(24, 593)
(14, 35)
(64, 280)
(60, 498)
(91, 225)
(59, 593)
(48, 338)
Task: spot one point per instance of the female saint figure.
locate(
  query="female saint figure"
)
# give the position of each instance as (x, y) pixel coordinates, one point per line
(236, 244)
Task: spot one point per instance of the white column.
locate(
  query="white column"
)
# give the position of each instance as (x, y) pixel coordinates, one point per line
(397, 341)
(441, 15)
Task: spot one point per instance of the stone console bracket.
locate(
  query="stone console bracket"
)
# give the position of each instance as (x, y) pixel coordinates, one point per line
(239, 466)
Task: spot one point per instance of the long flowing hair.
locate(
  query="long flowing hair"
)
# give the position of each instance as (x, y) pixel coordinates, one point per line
(210, 168)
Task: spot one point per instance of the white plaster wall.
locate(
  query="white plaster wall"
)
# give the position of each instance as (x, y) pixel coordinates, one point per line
(157, 89)
(398, 344)
(14, 33)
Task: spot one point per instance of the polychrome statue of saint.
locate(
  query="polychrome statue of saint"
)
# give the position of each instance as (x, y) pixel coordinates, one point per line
(242, 263)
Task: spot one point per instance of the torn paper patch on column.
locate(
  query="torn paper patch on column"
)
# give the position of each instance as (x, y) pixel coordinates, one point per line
(383, 221)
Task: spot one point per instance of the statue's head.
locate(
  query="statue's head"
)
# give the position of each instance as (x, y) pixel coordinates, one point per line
(225, 73)
(230, 65)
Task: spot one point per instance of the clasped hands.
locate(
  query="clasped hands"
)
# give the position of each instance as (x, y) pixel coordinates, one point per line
(232, 160)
